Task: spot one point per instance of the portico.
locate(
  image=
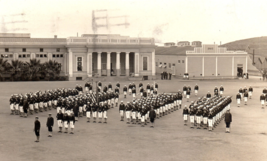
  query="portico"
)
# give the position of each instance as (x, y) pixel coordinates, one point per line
(110, 55)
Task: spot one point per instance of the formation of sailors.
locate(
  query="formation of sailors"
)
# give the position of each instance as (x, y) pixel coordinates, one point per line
(207, 112)
(146, 109)
(39, 101)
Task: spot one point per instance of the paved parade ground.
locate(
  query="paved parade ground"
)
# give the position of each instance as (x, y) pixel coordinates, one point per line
(169, 140)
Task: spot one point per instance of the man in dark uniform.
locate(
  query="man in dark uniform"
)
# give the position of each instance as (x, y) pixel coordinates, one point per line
(152, 116)
(250, 91)
(66, 122)
(37, 126)
(238, 99)
(121, 110)
(140, 85)
(72, 122)
(262, 99)
(216, 91)
(128, 110)
(118, 85)
(185, 114)
(50, 124)
(221, 90)
(228, 120)
(125, 91)
(184, 90)
(196, 89)
(25, 106)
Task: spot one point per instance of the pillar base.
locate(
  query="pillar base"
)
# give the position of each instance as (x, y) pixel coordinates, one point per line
(136, 74)
(118, 72)
(127, 72)
(89, 75)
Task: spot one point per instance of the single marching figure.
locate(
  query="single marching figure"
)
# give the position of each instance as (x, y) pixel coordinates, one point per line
(141, 91)
(241, 92)
(250, 91)
(121, 110)
(221, 90)
(99, 85)
(262, 99)
(72, 122)
(88, 111)
(198, 114)
(105, 111)
(216, 91)
(188, 94)
(130, 88)
(128, 112)
(118, 85)
(100, 112)
(66, 122)
(205, 118)
(50, 124)
(246, 97)
(12, 104)
(125, 91)
(148, 89)
(25, 106)
(37, 126)
(208, 96)
(196, 90)
(152, 116)
(60, 121)
(143, 113)
(156, 86)
(184, 90)
(134, 92)
(228, 120)
(210, 120)
(185, 114)
(192, 117)
(94, 111)
(179, 99)
(238, 99)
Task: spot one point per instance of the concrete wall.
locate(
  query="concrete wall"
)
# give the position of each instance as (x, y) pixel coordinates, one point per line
(224, 66)
(195, 66)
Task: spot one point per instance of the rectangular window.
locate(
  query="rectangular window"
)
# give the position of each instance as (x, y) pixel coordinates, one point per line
(210, 48)
(144, 63)
(58, 49)
(37, 55)
(2, 55)
(6, 49)
(79, 63)
(19, 56)
(24, 50)
(57, 55)
(54, 55)
(41, 55)
(182, 61)
(28, 55)
(41, 50)
(24, 56)
(45, 55)
(61, 55)
(170, 65)
(179, 61)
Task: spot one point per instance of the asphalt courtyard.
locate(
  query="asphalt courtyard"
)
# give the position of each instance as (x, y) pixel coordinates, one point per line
(169, 140)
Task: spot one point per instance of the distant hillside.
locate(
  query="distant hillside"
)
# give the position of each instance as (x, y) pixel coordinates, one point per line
(259, 45)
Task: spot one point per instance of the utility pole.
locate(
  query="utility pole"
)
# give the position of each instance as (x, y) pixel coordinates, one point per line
(253, 57)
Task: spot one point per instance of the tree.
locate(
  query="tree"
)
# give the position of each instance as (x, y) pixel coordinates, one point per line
(4, 65)
(34, 69)
(52, 69)
(16, 69)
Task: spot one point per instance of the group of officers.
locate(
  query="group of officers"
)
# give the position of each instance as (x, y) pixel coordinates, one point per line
(244, 94)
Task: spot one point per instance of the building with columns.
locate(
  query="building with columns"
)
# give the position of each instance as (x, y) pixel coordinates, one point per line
(204, 61)
(86, 56)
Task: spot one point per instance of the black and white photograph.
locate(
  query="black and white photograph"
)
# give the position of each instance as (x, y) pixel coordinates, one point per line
(128, 80)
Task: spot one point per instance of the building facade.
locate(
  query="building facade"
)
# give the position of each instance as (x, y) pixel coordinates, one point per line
(85, 56)
(204, 61)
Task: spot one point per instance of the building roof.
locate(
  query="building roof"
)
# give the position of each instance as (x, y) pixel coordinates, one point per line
(183, 42)
(173, 50)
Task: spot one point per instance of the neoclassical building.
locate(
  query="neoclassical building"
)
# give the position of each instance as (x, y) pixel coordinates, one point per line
(85, 56)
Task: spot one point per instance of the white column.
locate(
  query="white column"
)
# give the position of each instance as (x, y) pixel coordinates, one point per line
(136, 64)
(246, 64)
(216, 74)
(233, 66)
(153, 64)
(89, 64)
(70, 63)
(203, 66)
(118, 64)
(99, 63)
(186, 63)
(108, 63)
(127, 63)
(15, 56)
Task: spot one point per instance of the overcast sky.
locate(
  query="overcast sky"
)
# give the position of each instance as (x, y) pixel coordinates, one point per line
(208, 21)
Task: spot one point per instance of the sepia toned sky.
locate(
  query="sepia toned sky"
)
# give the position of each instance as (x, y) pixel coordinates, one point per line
(208, 21)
